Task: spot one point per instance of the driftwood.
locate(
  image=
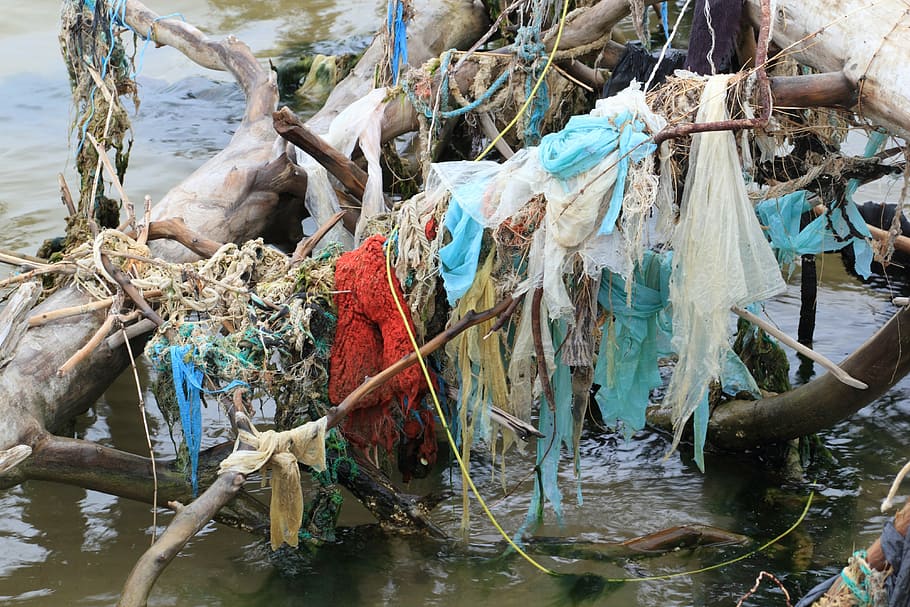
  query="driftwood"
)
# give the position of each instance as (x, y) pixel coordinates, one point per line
(742, 424)
(656, 543)
(825, 36)
(254, 186)
(228, 199)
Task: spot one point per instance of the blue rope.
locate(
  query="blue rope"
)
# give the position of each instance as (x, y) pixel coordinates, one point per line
(188, 387)
(397, 28)
(859, 590)
(529, 48)
(665, 19)
(427, 111)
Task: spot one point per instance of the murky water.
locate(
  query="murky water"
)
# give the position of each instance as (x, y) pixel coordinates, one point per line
(66, 546)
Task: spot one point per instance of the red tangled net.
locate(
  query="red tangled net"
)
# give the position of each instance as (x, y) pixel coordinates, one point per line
(370, 336)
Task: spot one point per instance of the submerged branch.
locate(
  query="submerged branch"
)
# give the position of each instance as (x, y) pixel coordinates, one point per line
(880, 362)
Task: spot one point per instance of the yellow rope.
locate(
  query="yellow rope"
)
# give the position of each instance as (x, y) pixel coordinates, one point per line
(543, 74)
(442, 418)
(742, 557)
(483, 504)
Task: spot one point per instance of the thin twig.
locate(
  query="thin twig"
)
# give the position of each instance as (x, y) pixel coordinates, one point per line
(754, 589)
(146, 222)
(543, 372)
(20, 259)
(148, 438)
(65, 195)
(12, 280)
(764, 93)
(102, 155)
(130, 289)
(86, 350)
(306, 246)
(42, 319)
(503, 318)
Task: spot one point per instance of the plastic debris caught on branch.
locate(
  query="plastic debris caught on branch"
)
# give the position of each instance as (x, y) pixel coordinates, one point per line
(840, 226)
(733, 266)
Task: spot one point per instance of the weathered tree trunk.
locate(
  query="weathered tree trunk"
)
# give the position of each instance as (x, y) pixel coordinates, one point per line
(867, 41)
(743, 424)
(229, 198)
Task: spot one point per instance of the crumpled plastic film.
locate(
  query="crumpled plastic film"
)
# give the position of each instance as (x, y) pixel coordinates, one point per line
(842, 226)
(359, 122)
(583, 198)
(721, 259)
(607, 144)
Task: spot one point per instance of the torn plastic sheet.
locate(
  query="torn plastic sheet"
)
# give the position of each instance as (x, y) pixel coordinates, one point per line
(733, 265)
(633, 342)
(589, 194)
(360, 122)
(842, 226)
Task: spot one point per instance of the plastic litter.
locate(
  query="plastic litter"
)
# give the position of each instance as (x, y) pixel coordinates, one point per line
(734, 266)
(632, 343)
(842, 226)
(359, 123)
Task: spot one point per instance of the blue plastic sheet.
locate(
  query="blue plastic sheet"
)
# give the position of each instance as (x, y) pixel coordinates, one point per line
(188, 386)
(458, 259)
(586, 141)
(626, 366)
(627, 359)
(557, 427)
(842, 226)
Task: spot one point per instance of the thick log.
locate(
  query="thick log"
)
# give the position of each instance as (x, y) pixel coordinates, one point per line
(32, 395)
(741, 424)
(233, 195)
(831, 89)
(867, 41)
(435, 27)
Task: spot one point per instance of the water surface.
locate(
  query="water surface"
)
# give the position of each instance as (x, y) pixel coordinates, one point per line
(61, 545)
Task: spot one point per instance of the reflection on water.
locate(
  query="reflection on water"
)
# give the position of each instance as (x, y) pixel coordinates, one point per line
(62, 545)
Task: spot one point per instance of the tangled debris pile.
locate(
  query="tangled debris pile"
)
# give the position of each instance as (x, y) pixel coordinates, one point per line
(621, 234)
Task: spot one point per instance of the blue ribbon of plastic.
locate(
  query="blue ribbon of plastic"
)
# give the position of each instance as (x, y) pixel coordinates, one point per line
(188, 386)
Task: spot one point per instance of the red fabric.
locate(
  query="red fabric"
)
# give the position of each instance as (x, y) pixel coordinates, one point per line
(370, 336)
(430, 229)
